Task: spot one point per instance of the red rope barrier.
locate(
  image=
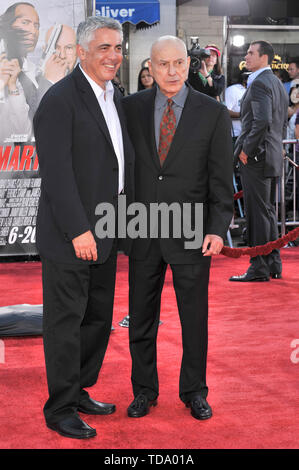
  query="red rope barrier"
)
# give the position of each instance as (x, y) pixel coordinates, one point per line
(261, 249)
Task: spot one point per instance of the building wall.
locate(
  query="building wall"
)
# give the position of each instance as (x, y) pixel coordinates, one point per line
(193, 20)
(141, 40)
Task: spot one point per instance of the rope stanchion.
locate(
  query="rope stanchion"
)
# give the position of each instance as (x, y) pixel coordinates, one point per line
(261, 249)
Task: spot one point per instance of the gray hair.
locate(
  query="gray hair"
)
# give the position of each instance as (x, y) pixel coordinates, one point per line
(87, 28)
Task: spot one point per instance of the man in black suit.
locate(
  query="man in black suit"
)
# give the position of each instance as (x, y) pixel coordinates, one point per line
(264, 109)
(197, 168)
(86, 158)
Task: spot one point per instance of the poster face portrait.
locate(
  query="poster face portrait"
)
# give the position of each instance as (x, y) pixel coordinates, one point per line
(30, 63)
(37, 49)
(26, 19)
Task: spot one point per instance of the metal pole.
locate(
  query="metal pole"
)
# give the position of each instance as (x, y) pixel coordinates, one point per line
(294, 182)
(282, 206)
(282, 201)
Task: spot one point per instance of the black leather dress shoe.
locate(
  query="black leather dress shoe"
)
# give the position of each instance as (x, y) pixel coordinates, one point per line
(73, 427)
(276, 275)
(92, 407)
(200, 409)
(249, 278)
(140, 406)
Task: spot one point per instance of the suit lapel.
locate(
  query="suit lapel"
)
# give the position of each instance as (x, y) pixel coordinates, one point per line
(247, 92)
(91, 102)
(147, 115)
(126, 140)
(185, 126)
(243, 99)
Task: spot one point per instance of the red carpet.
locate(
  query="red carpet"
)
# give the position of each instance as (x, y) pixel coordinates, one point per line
(252, 380)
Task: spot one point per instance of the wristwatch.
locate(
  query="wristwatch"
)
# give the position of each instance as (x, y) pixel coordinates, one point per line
(14, 92)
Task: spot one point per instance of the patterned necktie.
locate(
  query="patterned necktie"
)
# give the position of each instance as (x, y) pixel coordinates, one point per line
(167, 130)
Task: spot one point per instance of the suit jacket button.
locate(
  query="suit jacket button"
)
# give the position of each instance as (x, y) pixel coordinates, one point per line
(160, 177)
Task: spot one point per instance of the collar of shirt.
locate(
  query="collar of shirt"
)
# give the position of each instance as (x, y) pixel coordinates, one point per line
(112, 120)
(253, 75)
(98, 90)
(179, 99)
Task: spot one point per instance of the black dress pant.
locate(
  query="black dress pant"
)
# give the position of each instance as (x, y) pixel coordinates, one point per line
(261, 221)
(146, 279)
(77, 318)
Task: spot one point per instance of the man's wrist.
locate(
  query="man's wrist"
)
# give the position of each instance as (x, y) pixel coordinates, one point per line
(13, 91)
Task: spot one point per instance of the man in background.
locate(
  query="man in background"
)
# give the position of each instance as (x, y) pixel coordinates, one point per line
(293, 71)
(264, 113)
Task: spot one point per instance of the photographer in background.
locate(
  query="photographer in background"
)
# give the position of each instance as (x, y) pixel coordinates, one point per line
(209, 78)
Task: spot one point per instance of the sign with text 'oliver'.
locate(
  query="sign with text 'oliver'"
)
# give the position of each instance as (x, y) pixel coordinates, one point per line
(133, 11)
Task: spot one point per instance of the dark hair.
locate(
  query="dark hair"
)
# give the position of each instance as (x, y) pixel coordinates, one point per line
(11, 11)
(140, 85)
(265, 48)
(294, 60)
(243, 76)
(217, 67)
(14, 37)
(282, 74)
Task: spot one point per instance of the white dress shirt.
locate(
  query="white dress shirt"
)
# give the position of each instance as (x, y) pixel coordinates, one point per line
(233, 96)
(105, 100)
(255, 74)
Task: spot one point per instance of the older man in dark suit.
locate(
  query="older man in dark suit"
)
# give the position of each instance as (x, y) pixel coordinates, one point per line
(86, 158)
(264, 109)
(183, 151)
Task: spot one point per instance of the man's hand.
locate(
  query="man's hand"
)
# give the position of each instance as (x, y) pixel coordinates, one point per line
(203, 68)
(85, 246)
(15, 70)
(243, 157)
(216, 245)
(4, 71)
(55, 68)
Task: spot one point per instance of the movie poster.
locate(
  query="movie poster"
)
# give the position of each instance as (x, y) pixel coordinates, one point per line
(37, 49)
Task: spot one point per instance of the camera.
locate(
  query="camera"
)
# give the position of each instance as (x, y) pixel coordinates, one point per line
(197, 54)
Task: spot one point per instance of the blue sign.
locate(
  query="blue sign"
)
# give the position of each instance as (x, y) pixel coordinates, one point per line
(132, 11)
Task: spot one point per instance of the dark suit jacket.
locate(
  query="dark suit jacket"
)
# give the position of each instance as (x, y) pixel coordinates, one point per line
(264, 116)
(78, 166)
(215, 90)
(198, 167)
